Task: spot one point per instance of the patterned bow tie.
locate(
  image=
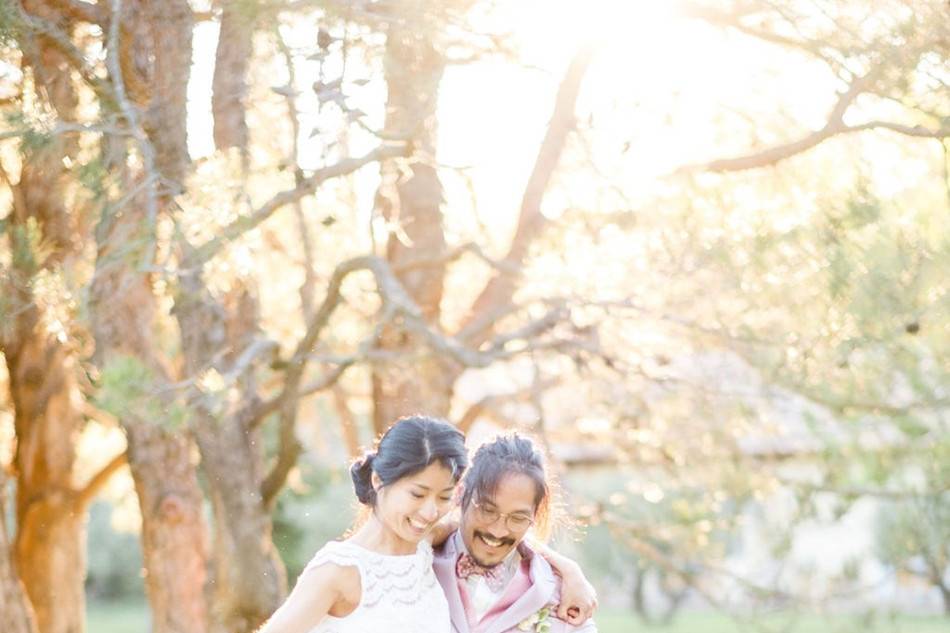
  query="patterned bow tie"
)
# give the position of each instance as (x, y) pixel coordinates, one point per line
(494, 576)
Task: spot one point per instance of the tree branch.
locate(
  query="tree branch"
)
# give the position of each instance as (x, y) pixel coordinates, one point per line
(917, 131)
(834, 126)
(131, 114)
(62, 42)
(288, 452)
(348, 426)
(500, 288)
(98, 481)
(396, 304)
(733, 20)
(532, 329)
(305, 187)
(488, 403)
(450, 256)
(99, 415)
(79, 10)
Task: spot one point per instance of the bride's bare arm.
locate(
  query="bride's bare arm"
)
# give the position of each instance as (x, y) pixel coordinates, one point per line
(317, 592)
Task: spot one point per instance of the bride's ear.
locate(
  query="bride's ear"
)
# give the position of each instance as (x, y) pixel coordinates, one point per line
(376, 482)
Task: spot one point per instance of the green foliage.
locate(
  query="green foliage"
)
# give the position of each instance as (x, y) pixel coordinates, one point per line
(127, 389)
(29, 250)
(914, 535)
(10, 23)
(33, 135)
(27, 256)
(92, 175)
(306, 519)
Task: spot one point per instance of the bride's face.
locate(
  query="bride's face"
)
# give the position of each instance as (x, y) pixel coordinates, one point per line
(411, 505)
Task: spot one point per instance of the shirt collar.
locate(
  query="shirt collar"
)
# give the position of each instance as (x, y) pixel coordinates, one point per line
(510, 563)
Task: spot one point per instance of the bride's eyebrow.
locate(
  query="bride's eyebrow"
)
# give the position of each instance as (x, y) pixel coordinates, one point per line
(427, 488)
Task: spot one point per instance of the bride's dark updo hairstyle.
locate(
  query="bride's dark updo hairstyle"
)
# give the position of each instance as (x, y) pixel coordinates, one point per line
(408, 447)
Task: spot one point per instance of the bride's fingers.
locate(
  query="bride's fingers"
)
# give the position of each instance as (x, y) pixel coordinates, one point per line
(570, 614)
(574, 615)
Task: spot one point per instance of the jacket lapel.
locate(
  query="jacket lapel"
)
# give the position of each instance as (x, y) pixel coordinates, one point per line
(444, 566)
(542, 591)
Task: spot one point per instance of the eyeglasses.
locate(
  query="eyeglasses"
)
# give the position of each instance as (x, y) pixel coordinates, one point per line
(514, 521)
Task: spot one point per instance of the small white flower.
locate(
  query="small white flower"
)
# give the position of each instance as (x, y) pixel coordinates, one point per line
(536, 622)
(528, 623)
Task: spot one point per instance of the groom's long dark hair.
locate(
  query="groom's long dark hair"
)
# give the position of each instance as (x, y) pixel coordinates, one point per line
(506, 455)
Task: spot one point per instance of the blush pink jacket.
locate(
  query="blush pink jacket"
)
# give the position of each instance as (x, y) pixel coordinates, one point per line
(530, 590)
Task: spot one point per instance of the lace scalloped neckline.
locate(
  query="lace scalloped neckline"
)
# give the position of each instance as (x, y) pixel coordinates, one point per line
(362, 548)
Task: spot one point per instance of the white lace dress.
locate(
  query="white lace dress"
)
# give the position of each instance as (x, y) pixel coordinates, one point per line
(399, 593)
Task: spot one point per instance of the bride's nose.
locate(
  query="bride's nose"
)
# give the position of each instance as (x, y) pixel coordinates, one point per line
(429, 510)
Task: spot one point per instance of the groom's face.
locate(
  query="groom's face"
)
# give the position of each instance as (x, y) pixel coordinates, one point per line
(492, 527)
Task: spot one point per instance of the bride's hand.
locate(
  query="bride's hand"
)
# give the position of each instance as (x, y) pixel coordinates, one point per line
(442, 530)
(578, 597)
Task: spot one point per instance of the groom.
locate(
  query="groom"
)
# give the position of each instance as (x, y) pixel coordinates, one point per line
(493, 580)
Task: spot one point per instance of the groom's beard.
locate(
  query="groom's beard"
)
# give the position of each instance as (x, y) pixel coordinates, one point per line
(505, 542)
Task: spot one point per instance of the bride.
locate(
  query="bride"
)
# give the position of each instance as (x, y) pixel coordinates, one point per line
(381, 577)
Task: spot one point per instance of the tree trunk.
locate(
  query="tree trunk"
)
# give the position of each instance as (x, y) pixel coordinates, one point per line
(170, 23)
(229, 86)
(173, 529)
(50, 540)
(414, 69)
(124, 313)
(16, 616)
(249, 577)
(174, 534)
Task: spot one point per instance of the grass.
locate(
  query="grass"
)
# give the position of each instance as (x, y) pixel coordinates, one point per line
(117, 617)
(133, 618)
(613, 621)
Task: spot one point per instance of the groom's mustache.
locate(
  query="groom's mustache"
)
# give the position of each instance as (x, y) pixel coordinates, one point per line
(504, 541)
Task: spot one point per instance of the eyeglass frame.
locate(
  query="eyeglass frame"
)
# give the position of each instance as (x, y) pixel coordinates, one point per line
(506, 515)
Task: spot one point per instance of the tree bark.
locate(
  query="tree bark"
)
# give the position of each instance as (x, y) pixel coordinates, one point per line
(249, 577)
(50, 540)
(174, 534)
(413, 203)
(173, 529)
(49, 544)
(124, 313)
(229, 85)
(16, 615)
(170, 23)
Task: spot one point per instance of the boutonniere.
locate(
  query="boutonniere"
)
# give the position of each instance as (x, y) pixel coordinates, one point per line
(537, 621)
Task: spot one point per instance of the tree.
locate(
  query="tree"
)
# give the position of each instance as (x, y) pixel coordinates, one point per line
(16, 615)
(224, 294)
(775, 334)
(203, 387)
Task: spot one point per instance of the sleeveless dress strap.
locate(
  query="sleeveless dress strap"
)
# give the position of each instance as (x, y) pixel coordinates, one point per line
(337, 553)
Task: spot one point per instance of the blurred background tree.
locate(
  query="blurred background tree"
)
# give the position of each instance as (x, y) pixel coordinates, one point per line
(240, 238)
